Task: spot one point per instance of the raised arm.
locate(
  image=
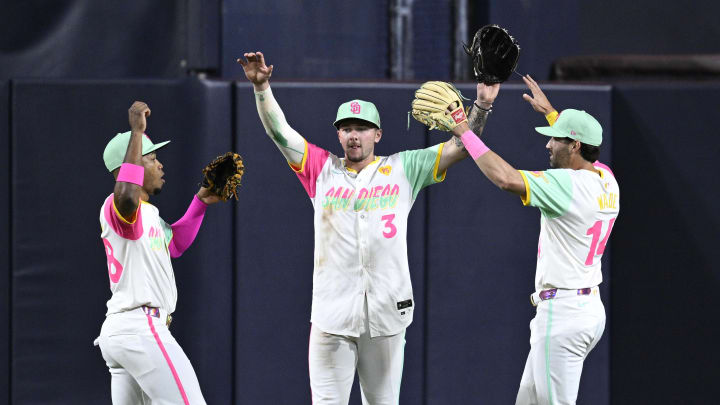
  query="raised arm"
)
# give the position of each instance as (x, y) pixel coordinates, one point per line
(127, 193)
(538, 101)
(290, 143)
(453, 150)
(481, 108)
(495, 168)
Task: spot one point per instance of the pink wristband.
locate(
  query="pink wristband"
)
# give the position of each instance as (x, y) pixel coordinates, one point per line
(131, 173)
(473, 144)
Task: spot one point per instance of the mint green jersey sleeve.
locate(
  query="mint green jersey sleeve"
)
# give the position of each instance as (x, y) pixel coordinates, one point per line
(420, 166)
(167, 229)
(549, 190)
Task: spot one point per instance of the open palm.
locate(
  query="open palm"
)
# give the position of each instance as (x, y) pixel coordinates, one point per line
(538, 101)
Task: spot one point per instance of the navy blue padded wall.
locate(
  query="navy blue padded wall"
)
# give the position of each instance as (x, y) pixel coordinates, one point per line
(93, 39)
(60, 282)
(275, 247)
(433, 36)
(5, 243)
(665, 268)
(584, 29)
(481, 261)
(331, 40)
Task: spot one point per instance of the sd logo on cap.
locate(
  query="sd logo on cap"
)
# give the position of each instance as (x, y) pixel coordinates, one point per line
(358, 109)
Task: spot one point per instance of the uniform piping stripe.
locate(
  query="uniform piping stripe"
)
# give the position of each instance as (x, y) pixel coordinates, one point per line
(122, 218)
(301, 168)
(547, 353)
(525, 200)
(402, 367)
(309, 373)
(437, 164)
(167, 359)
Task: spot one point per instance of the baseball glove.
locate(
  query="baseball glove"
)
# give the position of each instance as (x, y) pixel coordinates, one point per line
(222, 176)
(439, 105)
(494, 54)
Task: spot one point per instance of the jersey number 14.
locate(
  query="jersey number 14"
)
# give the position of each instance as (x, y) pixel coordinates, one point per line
(595, 249)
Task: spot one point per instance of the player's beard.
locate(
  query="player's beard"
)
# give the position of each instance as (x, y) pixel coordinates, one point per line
(559, 160)
(157, 189)
(359, 158)
(356, 159)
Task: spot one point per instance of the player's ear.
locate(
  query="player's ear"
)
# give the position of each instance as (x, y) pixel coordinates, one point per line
(378, 135)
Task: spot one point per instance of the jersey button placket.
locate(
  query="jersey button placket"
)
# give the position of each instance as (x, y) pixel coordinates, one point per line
(363, 239)
(361, 182)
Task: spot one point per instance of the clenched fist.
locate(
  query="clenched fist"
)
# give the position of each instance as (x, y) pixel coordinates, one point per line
(137, 114)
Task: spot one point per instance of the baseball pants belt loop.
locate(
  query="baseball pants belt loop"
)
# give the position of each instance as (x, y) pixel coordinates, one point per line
(555, 293)
(158, 313)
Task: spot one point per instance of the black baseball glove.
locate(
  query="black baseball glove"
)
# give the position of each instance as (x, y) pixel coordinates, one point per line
(222, 176)
(494, 54)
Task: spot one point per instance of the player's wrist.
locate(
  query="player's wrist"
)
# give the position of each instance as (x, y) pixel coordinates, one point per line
(473, 144)
(261, 86)
(485, 106)
(460, 128)
(551, 116)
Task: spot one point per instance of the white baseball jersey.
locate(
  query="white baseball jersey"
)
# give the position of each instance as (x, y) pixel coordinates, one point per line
(578, 210)
(138, 258)
(360, 237)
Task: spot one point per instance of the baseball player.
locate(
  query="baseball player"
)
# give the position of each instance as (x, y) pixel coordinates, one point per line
(146, 363)
(579, 201)
(362, 298)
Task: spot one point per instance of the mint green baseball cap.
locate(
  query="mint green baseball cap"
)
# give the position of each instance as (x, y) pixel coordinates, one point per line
(114, 153)
(358, 109)
(577, 125)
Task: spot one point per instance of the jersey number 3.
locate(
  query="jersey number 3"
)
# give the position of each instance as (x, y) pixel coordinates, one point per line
(115, 269)
(391, 229)
(596, 249)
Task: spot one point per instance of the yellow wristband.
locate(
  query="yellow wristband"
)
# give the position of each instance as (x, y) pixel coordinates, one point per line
(552, 117)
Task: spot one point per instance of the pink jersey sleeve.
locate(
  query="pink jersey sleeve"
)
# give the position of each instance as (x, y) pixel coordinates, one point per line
(128, 230)
(311, 166)
(186, 228)
(604, 167)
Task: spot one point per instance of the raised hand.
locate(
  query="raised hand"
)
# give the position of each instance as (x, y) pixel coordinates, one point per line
(486, 94)
(255, 69)
(137, 115)
(538, 101)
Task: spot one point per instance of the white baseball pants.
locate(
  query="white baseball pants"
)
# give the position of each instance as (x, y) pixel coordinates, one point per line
(147, 366)
(562, 334)
(333, 360)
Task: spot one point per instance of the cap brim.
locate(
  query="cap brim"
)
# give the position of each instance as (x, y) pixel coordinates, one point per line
(156, 147)
(550, 131)
(337, 123)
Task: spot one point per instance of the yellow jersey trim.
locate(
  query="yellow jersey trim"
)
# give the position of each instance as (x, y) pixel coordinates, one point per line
(377, 159)
(119, 215)
(526, 200)
(437, 163)
(302, 164)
